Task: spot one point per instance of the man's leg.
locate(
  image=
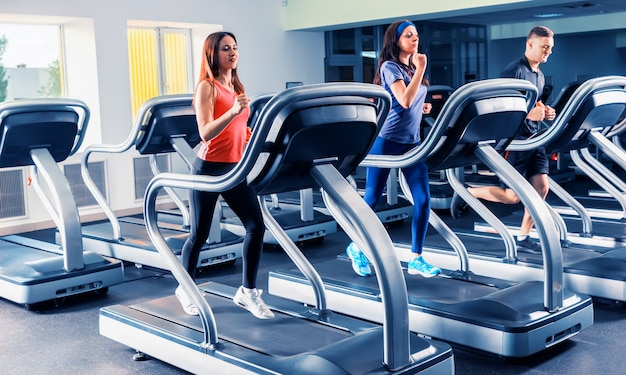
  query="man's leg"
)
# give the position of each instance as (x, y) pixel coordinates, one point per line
(489, 193)
(495, 194)
(540, 183)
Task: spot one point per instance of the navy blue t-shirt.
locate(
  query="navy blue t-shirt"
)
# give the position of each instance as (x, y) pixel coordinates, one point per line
(520, 69)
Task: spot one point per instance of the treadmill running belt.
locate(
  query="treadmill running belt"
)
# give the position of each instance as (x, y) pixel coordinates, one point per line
(282, 336)
(14, 255)
(513, 309)
(424, 290)
(609, 265)
(135, 234)
(287, 218)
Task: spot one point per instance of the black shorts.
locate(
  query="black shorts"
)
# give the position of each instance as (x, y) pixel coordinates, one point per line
(529, 163)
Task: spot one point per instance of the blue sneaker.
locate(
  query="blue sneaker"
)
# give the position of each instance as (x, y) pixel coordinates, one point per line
(419, 266)
(360, 263)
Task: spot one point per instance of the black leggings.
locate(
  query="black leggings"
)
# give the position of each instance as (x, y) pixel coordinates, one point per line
(243, 201)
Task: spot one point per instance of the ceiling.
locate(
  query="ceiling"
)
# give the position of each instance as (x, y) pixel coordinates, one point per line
(522, 12)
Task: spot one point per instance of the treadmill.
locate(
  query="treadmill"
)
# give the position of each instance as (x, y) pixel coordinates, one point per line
(597, 218)
(509, 319)
(164, 124)
(41, 133)
(594, 265)
(601, 215)
(296, 211)
(291, 149)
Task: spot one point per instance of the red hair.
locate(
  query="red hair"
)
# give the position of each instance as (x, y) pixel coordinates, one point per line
(209, 68)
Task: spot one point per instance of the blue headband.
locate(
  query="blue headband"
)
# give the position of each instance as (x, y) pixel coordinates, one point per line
(401, 28)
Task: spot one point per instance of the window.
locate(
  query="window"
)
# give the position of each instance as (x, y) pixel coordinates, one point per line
(30, 67)
(159, 63)
(351, 55)
(31, 64)
(456, 53)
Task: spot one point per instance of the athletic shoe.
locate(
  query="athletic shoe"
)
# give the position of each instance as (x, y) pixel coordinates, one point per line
(360, 263)
(252, 302)
(457, 206)
(418, 266)
(529, 245)
(185, 301)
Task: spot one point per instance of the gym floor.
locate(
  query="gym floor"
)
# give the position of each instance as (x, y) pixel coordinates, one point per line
(64, 338)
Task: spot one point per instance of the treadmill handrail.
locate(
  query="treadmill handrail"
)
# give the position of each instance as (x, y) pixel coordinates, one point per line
(178, 201)
(300, 260)
(585, 90)
(448, 115)
(510, 248)
(140, 121)
(582, 159)
(440, 226)
(610, 149)
(365, 228)
(551, 247)
(565, 196)
(61, 206)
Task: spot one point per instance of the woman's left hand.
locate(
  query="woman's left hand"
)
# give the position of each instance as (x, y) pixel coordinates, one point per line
(241, 102)
(427, 108)
(420, 60)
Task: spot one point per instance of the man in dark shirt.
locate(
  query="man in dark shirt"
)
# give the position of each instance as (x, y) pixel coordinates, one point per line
(531, 164)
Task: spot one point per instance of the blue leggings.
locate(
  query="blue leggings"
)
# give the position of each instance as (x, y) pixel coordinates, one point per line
(243, 201)
(417, 178)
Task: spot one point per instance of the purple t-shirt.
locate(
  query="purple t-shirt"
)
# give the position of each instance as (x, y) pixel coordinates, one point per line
(402, 124)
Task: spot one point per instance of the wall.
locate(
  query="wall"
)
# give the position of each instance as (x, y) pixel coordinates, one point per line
(333, 14)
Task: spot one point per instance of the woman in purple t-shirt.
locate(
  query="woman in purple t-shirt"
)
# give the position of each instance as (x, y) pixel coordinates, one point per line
(401, 72)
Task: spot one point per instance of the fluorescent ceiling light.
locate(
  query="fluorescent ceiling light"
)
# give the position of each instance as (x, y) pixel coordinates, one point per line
(549, 15)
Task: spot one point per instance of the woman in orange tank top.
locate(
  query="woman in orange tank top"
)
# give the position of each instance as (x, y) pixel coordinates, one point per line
(222, 110)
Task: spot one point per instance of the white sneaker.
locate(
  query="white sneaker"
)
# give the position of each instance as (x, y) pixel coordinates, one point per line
(252, 302)
(185, 301)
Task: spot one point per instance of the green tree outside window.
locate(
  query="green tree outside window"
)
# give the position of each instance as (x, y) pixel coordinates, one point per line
(53, 88)
(4, 82)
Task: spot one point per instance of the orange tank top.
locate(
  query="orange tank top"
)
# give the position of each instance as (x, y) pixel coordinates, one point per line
(228, 146)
